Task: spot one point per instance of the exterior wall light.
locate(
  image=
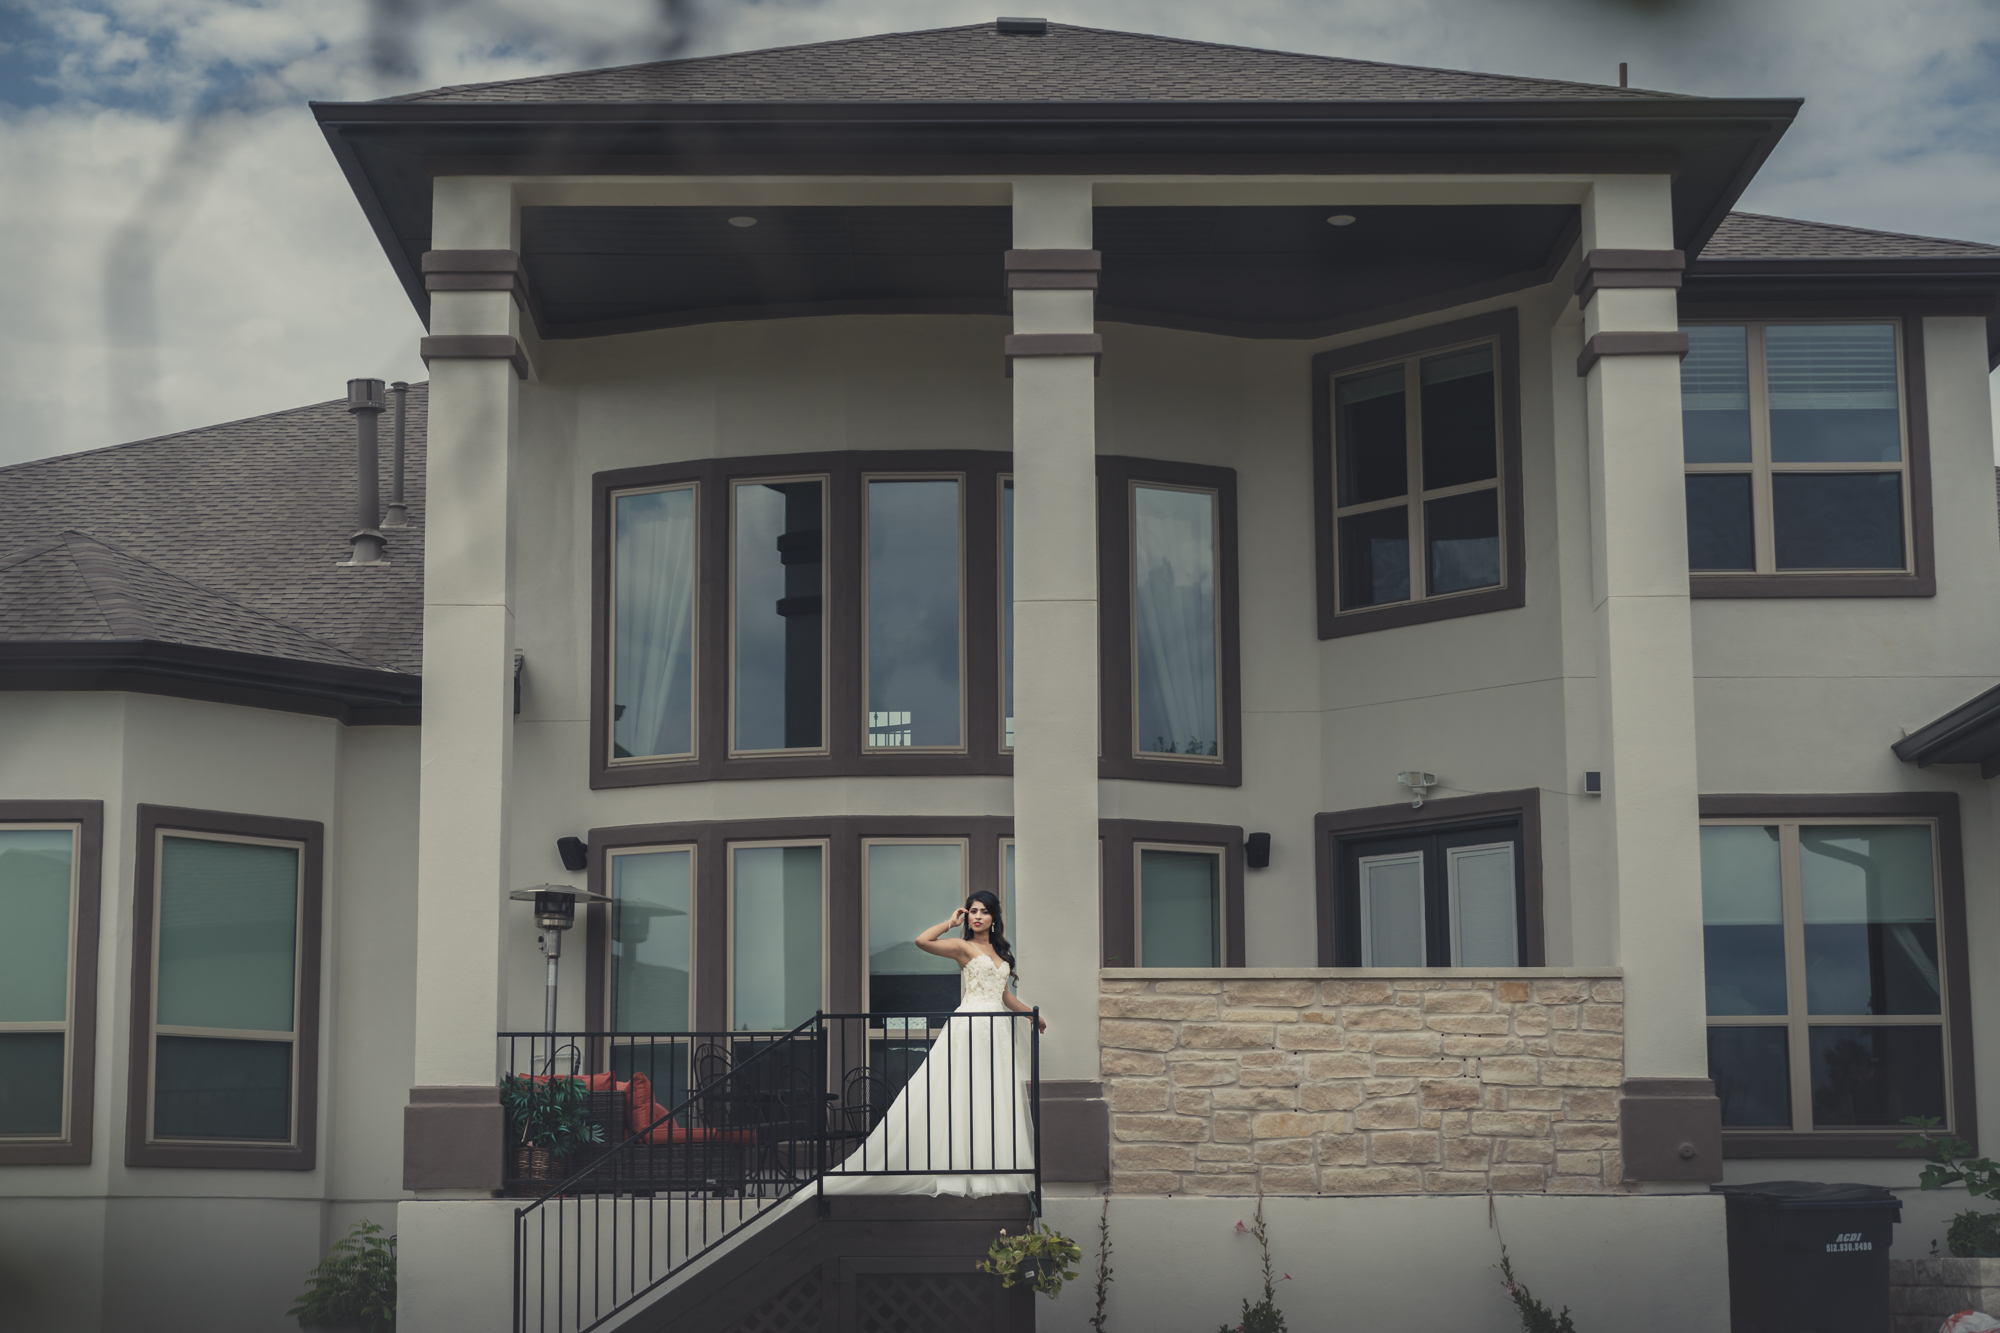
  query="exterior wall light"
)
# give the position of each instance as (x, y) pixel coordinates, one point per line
(1257, 851)
(1341, 220)
(743, 222)
(1419, 783)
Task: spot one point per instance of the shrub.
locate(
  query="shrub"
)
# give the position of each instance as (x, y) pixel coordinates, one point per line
(1535, 1316)
(1264, 1316)
(1973, 1235)
(354, 1284)
(1103, 1265)
(551, 1114)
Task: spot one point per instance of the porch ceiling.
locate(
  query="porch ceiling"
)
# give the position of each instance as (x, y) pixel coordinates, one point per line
(1248, 271)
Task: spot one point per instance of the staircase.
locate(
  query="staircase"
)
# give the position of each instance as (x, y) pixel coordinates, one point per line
(713, 1212)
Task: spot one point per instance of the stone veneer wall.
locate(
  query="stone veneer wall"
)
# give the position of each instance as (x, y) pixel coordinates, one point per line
(1362, 1081)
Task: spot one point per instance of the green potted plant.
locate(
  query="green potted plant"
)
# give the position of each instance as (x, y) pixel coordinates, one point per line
(1041, 1256)
(550, 1119)
(354, 1288)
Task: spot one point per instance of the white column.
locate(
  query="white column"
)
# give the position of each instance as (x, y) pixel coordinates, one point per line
(467, 745)
(1055, 643)
(1645, 684)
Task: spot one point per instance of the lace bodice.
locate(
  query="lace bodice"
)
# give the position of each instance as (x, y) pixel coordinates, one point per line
(981, 984)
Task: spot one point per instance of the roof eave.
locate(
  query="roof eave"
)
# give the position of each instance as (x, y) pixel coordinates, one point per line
(354, 695)
(1968, 734)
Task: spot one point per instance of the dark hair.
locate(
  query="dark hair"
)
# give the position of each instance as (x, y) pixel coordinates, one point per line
(997, 936)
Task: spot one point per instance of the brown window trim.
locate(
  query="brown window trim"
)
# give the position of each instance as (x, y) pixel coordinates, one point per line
(1943, 807)
(846, 941)
(1120, 940)
(1916, 413)
(1117, 747)
(73, 1149)
(845, 756)
(1504, 327)
(300, 1155)
(1526, 804)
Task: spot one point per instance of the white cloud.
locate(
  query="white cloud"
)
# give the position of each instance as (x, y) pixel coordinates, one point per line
(271, 291)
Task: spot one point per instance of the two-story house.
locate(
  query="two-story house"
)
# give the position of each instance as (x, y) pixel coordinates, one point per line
(1451, 644)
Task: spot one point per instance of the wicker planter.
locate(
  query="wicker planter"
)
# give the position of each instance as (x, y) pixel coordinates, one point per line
(536, 1165)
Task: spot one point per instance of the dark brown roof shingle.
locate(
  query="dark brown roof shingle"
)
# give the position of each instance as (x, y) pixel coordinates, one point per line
(1756, 236)
(976, 63)
(228, 537)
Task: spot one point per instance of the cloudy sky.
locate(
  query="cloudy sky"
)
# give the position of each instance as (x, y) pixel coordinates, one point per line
(177, 247)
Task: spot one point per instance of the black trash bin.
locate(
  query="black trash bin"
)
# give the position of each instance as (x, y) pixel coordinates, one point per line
(1808, 1257)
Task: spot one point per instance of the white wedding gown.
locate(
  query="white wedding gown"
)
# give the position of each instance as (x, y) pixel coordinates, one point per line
(965, 1110)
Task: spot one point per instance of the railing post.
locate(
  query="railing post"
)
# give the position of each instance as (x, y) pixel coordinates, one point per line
(1035, 1100)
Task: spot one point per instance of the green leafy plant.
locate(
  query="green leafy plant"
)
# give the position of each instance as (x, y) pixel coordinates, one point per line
(354, 1284)
(1041, 1256)
(552, 1114)
(1973, 1234)
(1264, 1316)
(1103, 1265)
(1535, 1316)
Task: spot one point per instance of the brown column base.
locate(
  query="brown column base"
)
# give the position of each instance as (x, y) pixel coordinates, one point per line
(452, 1139)
(1670, 1129)
(1076, 1131)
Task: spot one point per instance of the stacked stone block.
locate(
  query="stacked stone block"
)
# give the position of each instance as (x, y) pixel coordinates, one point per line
(1362, 1085)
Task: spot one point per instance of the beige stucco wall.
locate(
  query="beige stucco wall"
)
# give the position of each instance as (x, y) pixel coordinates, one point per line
(110, 1246)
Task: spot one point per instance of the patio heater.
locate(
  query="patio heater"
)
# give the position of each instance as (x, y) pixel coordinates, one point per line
(555, 912)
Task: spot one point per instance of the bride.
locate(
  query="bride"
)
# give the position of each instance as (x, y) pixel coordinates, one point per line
(966, 1108)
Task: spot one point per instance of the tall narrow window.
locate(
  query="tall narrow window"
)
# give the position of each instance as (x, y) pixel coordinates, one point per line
(653, 623)
(1795, 451)
(1007, 886)
(1179, 907)
(225, 1000)
(1449, 896)
(911, 886)
(1825, 974)
(777, 926)
(1417, 501)
(652, 932)
(779, 569)
(38, 900)
(1176, 635)
(1007, 613)
(916, 630)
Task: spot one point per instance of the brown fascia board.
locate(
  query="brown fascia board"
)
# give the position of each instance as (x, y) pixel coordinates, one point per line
(836, 138)
(356, 696)
(1957, 284)
(1968, 734)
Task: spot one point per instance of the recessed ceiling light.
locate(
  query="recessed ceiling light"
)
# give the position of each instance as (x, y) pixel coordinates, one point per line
(1341, 220)
(751, 222)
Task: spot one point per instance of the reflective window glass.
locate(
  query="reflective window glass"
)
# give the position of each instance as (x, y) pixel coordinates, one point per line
(1870, 900)
(1007, 613)
(1752, 1074)
(653, 600)
(1720, 535)
(1876, 1076)
(1482, 891)
(1715, 394)
(1175, 631)
(779, 615)
(228, 934)
(205, 1088)
(1392, 910)
(1838, 520)
(31, 1084)
(1369, 436)
(1833, 393)
(911, 887)
(1375, 557)
(1180, 908)
(1742, 919)
(652, 919)
(1462, 538)
(1461, 439)
(915, 676)
(37, 868)
(778, 949)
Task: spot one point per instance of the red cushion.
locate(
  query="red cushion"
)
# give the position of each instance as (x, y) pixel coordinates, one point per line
(641, 1089)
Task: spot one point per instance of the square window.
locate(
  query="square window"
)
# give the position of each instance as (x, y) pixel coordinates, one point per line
(1838, 520)
(1826, 973)
(1437, 895)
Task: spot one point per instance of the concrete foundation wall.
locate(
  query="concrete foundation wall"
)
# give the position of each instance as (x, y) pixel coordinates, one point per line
(1653, 1262)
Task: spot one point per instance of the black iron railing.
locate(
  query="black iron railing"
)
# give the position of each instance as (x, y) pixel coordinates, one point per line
(646, 1151)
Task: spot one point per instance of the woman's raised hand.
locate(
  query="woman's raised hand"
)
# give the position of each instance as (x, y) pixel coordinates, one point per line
(957, 920)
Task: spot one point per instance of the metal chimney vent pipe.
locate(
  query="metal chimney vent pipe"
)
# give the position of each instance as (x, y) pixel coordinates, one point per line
(364, 401)
(398, 515)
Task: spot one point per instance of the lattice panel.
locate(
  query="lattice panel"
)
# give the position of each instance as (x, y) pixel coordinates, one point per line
(797, 1309)
(919, 1302)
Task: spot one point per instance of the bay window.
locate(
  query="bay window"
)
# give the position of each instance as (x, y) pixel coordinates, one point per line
(778, 930)
(861, 620)
(1805, 473)
(226, 981)
(48, 954)
(1832, 929)
(910, 886)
